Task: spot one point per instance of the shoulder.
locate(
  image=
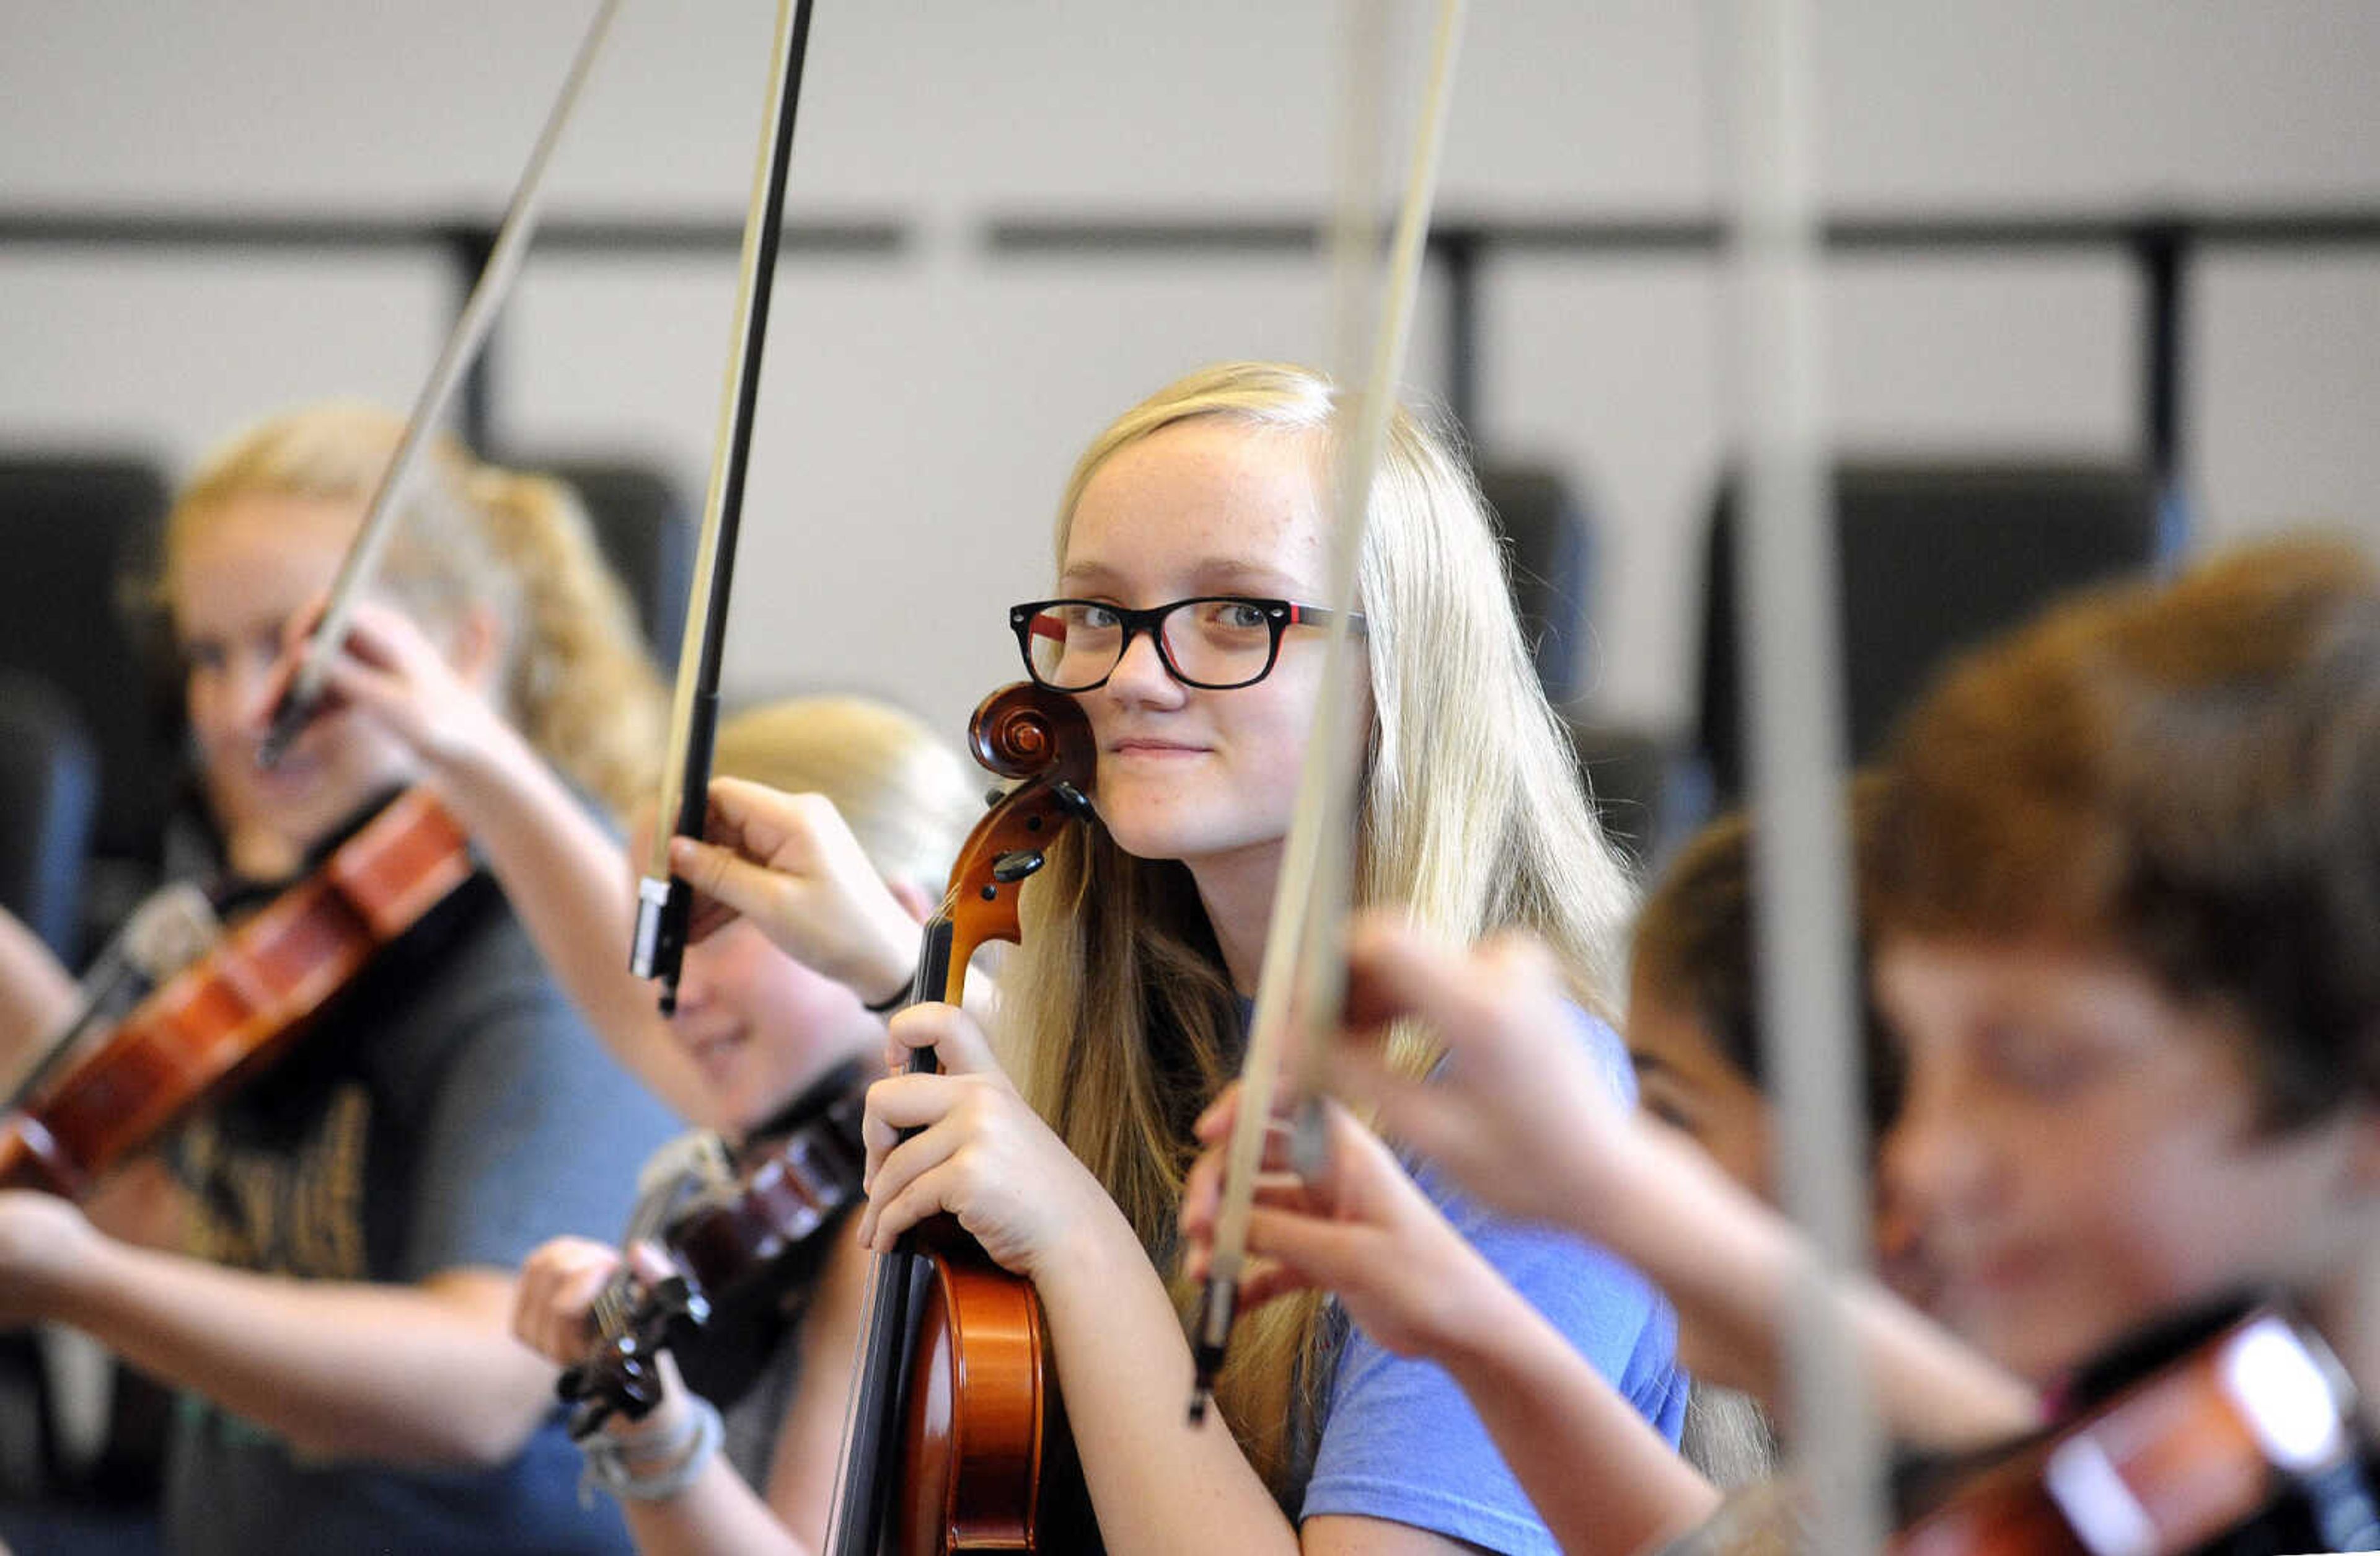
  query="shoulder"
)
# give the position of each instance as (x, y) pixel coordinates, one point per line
(1609, 1052)
(1609, 1311)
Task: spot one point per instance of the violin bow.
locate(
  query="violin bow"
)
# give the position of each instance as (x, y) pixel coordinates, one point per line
(464, 343)
(1792, 657)
(1302, 986)
(664, 902)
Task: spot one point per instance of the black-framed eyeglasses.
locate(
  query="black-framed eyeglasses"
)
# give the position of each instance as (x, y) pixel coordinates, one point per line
(1216, 642)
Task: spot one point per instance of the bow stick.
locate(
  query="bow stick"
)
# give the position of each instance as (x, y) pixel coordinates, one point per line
(1803, 908)
(664, 902)
(462, 349)
(1301, 956)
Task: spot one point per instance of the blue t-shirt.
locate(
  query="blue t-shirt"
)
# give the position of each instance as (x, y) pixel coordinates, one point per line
(1401, 1442)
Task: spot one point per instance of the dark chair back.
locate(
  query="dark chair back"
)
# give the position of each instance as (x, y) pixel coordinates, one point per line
(1552, 567)
(1935, 558)
(72, 530)
(49, 798)
(648, 534)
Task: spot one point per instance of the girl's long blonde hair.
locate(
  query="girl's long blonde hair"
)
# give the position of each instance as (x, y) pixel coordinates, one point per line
(1473, 817)
(576, 678)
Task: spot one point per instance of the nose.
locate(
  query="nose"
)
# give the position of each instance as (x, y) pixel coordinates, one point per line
(223, 696)
(1140, 676)
(245, 675)
(1934, 1161)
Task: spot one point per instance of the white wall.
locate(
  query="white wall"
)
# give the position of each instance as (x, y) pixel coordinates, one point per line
(921, 413)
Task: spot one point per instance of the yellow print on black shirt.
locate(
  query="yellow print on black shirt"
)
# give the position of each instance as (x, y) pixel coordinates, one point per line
(284, 1212)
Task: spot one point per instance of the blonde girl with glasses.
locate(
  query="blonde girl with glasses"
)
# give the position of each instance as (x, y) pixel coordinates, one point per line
(1062, 1144)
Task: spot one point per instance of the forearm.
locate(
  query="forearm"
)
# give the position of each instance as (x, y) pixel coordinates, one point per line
(569, 883)
(1730, 1266)
(1601, 1478)
(1157, 1484)
(419, 1374)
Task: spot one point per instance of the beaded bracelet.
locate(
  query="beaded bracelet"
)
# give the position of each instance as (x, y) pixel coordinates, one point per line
(681, 1458)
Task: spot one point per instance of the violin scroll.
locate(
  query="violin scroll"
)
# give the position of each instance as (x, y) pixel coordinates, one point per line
(1013, 724)
(621, 1376)
(1024, 731)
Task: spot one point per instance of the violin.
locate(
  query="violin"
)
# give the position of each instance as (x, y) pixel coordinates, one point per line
(735, 1239)
(956, 1436)
(229, 1013)
(2252, 1421)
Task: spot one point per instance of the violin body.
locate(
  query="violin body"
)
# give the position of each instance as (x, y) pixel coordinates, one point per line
(958, 1438)
(2175, 1462)
(230, 1012)
(784, 1195)
(738, 1246)
(982, 1430)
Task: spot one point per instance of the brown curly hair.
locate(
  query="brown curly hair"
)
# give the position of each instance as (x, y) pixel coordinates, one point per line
(2187, 774)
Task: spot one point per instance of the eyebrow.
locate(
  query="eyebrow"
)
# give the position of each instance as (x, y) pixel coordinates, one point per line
(1644, 1060)
(1216, 575)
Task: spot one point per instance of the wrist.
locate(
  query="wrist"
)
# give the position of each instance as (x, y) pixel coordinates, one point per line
(1473, 1318)
(883, 970)
(1092, 1248)
(477, 752)
(659, 1468)
(652, 1436)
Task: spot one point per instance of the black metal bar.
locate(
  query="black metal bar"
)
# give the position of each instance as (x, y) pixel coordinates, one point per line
(2161, 244)
(1127, 234)
(2162, 251)
(1459, 251)
(467, 248)
(863, 237)
(1022, 236)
